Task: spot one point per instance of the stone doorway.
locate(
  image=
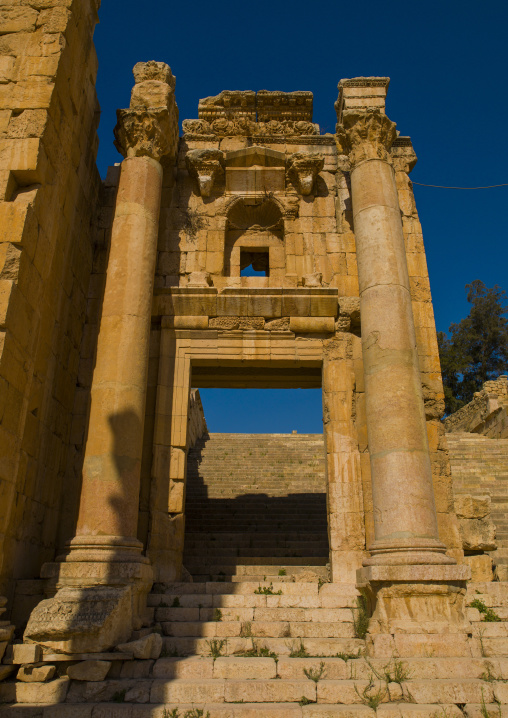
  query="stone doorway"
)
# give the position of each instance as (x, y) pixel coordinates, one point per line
(256, 502)
(204, 359)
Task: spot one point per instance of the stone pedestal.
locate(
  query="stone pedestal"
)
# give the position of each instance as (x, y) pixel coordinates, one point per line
(410, 581)
(102, 583)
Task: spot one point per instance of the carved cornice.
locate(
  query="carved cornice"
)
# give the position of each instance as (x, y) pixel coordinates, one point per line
(245, 127)
(147, 133)
(206, 166)
(365, 135)
(303, 170)
(403, 155)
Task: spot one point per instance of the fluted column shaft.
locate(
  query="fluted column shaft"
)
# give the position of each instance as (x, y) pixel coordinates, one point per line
(405, 520)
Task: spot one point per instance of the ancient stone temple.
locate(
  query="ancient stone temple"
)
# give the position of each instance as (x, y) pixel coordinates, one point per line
(147, 562)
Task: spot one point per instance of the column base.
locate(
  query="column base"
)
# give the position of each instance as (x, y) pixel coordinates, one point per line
(415, 608)
(98, 598)
(401, 552)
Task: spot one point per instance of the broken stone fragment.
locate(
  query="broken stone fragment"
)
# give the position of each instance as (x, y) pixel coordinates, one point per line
(89, 670)
(472, 507)
(38, 673)
(148, 647)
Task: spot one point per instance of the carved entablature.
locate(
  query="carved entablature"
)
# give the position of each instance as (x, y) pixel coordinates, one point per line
(303, 170)
(207, 167)
(295, 106)
(403, 155)
(247, 114)
(149, 128)
(361, 93)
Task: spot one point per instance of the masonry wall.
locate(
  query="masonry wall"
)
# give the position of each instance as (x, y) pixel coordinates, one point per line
(48, 195)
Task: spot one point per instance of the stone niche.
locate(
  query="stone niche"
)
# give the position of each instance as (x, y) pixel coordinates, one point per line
(254, 235)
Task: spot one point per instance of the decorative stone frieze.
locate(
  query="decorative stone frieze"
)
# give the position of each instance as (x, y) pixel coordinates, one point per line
(303, 170)
(223, 127)
(365, 135)
(207, 166)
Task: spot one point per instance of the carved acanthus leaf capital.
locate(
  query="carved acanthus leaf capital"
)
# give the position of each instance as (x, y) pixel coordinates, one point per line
(365, 135)
(147, 133)
(303, 170)
(207, 166)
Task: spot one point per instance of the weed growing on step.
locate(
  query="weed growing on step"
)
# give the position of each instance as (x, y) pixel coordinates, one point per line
(176, 602)
(485, 713)
(119, 696)
(163, 604)
(258, 652)
(173, 713)
(349, 656)
(216, 647)
(304, 701)
(396, 672)
(299, 651)
(322, 581)
(217, 615)
(369, 696)
(490, 677)
(315, 674)
(196, 713)
(246, 629)
(488, 614)
(267, 591)
(360, 617)
(282, 571)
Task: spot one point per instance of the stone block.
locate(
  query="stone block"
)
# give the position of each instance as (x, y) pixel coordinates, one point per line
(41, 693)
(481, 567)
(36, 673)
(193, 667)
(472, 507)
(89, 670)
(477, 534)
(147, 647)
(86, 620)
(245, 668)
(187, 691)
(314, 325)
(26, 653)
(269, 691)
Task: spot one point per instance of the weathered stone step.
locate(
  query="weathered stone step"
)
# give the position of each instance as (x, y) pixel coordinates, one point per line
(230, 645)
(259, 562)
(258, 629)
(238, 600)
(249, 588)
(255, 614)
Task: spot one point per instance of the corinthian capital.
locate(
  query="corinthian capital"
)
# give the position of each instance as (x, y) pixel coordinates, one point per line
(149, 128)
(146, 133)
(365, 135)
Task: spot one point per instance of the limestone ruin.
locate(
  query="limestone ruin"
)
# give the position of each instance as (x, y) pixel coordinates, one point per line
(327, 575)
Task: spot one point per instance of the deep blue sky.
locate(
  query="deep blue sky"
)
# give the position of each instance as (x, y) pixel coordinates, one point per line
(447, 62)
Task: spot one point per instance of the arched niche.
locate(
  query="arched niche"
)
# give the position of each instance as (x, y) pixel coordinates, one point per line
(254, 235)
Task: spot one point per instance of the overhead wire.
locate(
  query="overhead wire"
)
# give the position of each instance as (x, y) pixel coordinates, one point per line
(440, 186)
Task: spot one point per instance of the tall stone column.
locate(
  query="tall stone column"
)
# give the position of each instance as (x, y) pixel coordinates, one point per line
(404, 508)
(407, 558)
(105, 552)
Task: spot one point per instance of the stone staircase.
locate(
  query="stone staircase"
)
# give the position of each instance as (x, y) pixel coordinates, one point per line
(273, 646)
(281, 649)
(480, 466)
(256, 507)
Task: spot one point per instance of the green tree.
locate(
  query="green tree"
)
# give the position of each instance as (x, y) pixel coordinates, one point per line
(476, 349)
